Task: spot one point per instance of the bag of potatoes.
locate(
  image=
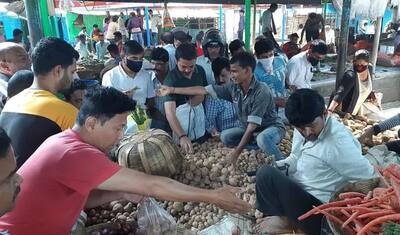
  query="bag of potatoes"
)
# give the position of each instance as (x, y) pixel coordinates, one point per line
(154, 220)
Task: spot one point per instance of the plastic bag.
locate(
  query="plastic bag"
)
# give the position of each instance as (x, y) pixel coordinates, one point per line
(192, 120)
(154, 220)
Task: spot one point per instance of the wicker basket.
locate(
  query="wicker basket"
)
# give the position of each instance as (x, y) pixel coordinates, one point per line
(152, 152)
(363, 186)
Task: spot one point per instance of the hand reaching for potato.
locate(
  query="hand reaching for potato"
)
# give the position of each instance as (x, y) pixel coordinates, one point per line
(233, 157)
(226, 199)
(366, 137)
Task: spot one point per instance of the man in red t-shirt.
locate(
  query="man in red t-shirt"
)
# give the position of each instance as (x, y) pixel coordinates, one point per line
(70, 171)
(291, 48)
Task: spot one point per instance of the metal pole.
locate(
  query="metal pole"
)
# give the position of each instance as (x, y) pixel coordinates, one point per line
(34, 25)
(146, 13)
(220, 17)
(253, 36)
(395, 14)
(247, 23)
(343, 41)
(378, 29)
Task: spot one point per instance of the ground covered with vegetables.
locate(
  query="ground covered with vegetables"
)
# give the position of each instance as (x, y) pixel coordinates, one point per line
(206, 168)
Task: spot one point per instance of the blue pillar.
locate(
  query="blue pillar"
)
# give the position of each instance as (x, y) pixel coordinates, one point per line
(146, 13)
(284, 16)
(220, 17)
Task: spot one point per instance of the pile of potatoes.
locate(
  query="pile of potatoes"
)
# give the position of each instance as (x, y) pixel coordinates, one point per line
(122, 214)
(207, 168)
(358, 124)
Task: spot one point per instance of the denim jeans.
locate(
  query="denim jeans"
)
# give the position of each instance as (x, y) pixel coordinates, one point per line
(154, 39)
(267, 140)
(137, 37)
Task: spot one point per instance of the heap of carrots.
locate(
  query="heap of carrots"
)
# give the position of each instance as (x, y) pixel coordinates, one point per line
(364, 214)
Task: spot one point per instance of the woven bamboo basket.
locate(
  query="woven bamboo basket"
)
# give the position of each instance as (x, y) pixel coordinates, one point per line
(152, 152)
(363, 186)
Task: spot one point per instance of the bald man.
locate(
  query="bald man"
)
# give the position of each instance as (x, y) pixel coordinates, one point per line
(13, 57)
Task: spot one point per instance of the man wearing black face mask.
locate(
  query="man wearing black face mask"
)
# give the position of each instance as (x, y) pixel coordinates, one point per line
(130, 78)
(299, 67)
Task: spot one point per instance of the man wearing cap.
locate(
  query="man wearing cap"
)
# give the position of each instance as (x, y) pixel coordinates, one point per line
(213, 48)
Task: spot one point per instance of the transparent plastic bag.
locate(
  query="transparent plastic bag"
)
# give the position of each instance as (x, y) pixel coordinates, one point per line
(154, 220)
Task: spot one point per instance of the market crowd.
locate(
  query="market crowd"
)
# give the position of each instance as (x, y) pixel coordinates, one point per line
(57, 129)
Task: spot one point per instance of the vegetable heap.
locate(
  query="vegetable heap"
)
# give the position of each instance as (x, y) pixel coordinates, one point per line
(361, 214)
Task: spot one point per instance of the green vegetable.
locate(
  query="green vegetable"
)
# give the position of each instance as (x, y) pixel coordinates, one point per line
(139, 115)
(391, 229)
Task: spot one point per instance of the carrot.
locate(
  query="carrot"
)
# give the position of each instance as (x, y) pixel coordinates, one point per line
(336, 220)
(376, 214)
(368, 196)
(358, 224)
(378, 221)
(351, 208)
(331, 204)
(373, 202)
(396, 188)
(350, 219)
(348, 195)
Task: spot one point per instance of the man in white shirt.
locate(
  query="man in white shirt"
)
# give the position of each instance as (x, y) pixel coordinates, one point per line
(268, 24)
(213, 48)
(299, 67)
(82, 47)
(324, 157)
(130, 78)
(101, 47)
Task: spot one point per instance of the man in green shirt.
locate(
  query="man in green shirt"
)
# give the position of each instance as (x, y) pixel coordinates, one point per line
(185, 74)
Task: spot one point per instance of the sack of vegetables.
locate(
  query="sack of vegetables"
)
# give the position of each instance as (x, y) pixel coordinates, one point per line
(152, 152)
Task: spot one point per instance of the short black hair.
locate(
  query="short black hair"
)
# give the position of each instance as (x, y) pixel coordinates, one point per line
(263, 46)
(132, 47)
(218, 65)
(113, 48)
(5, 143)
(180, 36)
(95, 26)
(273, 5)
(200, 36)
(150, 10)
(186, 51)
(104, 103)
(114, 18)
(241, 10)
(235, 45)
(19, 81)
(17, 32)
(77, 84)
(167, 37)
(84, 27)
(159, 54)
(117, 34)
(244, 60)
(50, 52)
(303, 106)
(319, 46)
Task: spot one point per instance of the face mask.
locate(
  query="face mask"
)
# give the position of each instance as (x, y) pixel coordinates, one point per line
(360, 68)
(133, 65)
(267, 64)
(312, 60)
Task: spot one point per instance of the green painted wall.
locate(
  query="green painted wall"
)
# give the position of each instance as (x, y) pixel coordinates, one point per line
(88, 21)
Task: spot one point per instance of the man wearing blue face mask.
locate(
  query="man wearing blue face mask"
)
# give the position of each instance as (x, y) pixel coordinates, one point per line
(130, 78)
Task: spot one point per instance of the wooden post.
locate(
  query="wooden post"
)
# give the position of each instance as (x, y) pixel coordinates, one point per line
(343, 41)
(247, 23)
(34, 22)
(375, 49)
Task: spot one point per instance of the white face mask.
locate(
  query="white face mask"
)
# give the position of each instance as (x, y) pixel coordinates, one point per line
(267, 64)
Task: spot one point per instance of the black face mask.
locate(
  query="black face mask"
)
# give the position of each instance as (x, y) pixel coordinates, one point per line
(313, 61)
(360, 68)
(134, 65)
